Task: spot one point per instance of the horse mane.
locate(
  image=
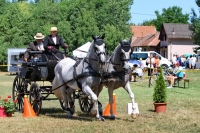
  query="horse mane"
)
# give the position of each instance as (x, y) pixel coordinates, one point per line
(116, 54)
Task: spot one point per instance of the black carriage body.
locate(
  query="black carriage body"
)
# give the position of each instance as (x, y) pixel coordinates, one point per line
(41, 70)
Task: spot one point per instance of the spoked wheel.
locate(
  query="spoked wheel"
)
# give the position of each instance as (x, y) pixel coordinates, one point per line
(18, 91)
(85, 102)
(71, 105)
(62, 104)
(71, 109)
(34, 98)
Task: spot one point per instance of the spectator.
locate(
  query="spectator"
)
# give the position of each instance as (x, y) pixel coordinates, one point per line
(183, 61)
(187, 62)
(178, 59)
(52, 43)
(141, 64)
(150, 64)
(157, 63)
(190, 61)
(177, 74)
(174, 59)
(194, 59)
(136, 71)
(37, 45)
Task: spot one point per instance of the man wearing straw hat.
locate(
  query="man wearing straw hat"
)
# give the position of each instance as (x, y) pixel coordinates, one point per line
(37, 45)
(52, 43)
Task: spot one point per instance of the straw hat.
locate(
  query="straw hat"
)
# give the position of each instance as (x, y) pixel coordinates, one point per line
(54, 29)
(39, 36)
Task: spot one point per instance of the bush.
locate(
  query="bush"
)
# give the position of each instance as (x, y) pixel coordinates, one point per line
(160, 92)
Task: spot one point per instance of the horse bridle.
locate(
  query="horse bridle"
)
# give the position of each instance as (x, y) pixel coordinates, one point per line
(98, 42)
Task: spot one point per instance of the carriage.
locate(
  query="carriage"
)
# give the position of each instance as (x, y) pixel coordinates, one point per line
(83, 79)
(40, 70)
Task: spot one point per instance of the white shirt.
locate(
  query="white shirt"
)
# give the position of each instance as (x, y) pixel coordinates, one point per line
(194, 59)
(152, 62)
(54, 40)
(40, 46)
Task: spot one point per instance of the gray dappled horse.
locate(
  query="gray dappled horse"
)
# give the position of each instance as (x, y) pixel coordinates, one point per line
(116, 74)
(83, 75)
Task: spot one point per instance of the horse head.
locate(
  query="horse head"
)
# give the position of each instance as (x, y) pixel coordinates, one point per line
(125, 53)
(100, 48)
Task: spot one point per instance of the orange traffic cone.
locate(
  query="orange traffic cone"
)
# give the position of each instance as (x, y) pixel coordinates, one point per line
(28, 110)
(106, 112)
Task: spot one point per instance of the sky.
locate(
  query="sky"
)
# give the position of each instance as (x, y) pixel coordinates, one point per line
(142, 10)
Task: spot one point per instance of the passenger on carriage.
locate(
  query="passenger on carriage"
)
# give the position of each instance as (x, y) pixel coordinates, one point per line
(37, 45)
(52, 43)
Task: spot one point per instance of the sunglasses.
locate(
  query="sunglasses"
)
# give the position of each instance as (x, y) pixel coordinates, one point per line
(53, 31)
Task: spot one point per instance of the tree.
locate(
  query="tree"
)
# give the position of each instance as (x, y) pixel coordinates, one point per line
(77, 21)
(170, 15)
(195, 26)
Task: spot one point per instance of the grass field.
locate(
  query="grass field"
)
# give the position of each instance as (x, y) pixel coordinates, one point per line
(182, 116)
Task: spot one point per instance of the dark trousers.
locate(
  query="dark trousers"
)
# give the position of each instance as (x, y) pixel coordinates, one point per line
(150, 71)
(55, 56)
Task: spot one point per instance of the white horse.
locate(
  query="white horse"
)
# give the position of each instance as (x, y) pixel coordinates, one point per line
(84, 75)
(117, 74)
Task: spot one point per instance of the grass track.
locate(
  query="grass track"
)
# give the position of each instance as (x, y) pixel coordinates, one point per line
(182, 116)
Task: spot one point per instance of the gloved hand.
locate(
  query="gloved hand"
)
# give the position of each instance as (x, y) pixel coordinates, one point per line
(50, 47)
(65, 46)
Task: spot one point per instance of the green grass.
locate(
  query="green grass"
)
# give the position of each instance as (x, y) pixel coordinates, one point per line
(182, 116)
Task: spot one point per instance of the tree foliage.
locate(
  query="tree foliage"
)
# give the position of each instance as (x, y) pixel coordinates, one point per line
(170, 15)
(77, 21)
(195, 26)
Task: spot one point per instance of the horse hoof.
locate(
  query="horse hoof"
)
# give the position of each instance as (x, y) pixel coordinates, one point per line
(69, 114)
(112, 118)
(93, 112)
(134, 116)
(101, 119)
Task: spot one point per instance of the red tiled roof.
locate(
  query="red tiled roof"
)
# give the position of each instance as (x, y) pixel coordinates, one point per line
(148, 40)
(141, 31)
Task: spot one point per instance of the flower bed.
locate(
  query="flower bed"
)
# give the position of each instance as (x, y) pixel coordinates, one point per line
(8, 105)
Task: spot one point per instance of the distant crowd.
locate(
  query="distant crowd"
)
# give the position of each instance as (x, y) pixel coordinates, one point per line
(186, 62)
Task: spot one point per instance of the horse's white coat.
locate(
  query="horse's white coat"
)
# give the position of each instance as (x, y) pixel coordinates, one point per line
(64, 73)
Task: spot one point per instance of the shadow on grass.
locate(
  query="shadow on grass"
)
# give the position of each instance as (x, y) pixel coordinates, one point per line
(151, 110)
(59, 113)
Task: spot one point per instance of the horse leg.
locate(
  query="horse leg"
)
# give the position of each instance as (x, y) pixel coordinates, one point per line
(61, 92)
(110, 93)
(71, 100)
(131, 95)
(94, 109)
(97, 92)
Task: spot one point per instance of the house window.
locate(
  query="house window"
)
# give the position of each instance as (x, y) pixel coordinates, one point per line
(145, 49)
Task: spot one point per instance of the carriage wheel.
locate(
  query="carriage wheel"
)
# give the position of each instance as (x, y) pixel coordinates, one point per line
(72, 109)
(34, 98)
(18, 91)
(62, 104)
(85, 102)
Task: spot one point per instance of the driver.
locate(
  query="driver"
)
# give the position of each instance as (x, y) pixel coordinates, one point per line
(52, 43)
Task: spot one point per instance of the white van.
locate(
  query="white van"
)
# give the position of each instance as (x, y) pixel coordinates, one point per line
(145, 54)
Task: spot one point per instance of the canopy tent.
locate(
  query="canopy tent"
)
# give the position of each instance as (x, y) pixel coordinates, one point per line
(188, 55)
(82, 51)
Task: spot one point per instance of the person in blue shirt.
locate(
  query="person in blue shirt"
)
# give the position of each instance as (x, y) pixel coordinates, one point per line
(178, 72)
